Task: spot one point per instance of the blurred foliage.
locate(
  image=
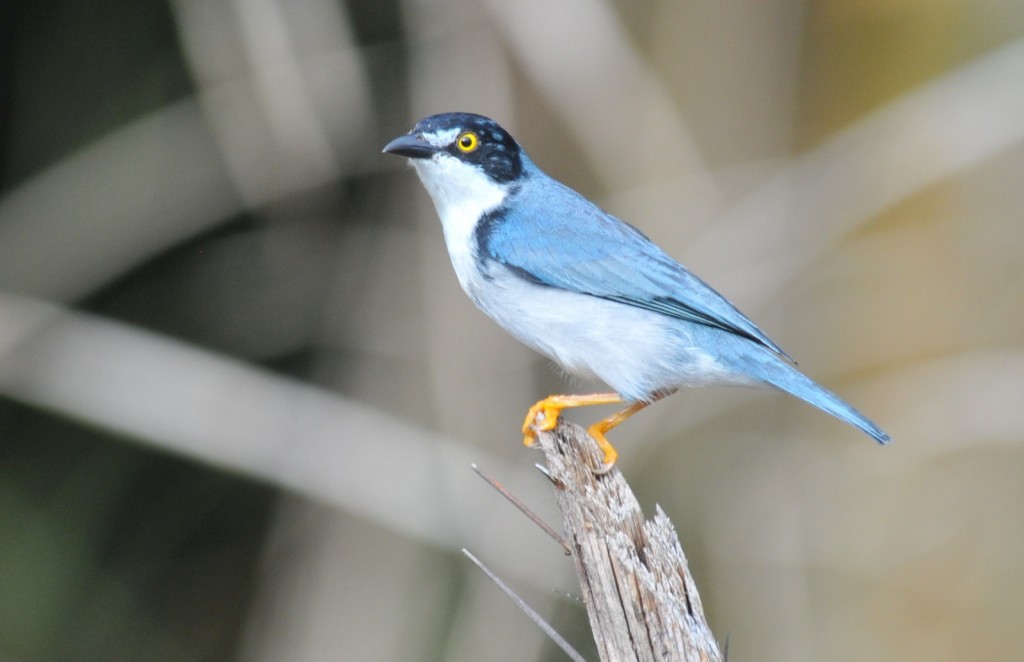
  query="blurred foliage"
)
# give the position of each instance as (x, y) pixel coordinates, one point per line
(112, 551)
(76, 71)
(239, 385)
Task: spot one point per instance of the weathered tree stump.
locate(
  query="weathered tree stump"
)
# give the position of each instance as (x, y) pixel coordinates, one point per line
(636, 585)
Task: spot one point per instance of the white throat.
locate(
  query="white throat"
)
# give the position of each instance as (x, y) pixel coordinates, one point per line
(462, 194)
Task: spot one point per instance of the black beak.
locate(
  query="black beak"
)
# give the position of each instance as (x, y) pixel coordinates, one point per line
(410, 146)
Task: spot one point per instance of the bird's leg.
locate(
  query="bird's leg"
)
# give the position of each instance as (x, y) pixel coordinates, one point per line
(544, 415)
(597, 430)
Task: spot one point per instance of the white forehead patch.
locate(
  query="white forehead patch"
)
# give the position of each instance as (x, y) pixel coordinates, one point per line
(441, 138)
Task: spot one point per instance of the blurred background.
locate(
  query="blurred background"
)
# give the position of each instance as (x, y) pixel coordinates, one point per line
(240, 389)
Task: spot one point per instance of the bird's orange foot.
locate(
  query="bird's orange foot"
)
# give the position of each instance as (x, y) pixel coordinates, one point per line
(542, 417)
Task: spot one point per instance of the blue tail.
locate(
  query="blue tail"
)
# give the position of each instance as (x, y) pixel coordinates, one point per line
(774, 371)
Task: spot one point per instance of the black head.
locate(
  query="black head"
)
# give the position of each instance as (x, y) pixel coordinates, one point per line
(473, 139)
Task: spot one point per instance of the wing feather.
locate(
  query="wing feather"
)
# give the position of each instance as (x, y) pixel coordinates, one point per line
(553, 236)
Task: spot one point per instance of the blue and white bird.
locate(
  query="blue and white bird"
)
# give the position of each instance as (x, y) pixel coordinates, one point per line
(584, 288)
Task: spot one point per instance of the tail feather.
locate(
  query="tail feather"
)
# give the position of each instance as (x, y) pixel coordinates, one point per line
(787, 378)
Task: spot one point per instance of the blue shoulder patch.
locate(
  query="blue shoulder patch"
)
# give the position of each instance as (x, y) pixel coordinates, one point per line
(551, 235)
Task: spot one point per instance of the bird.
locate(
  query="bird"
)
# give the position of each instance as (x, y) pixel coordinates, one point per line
(587, 290)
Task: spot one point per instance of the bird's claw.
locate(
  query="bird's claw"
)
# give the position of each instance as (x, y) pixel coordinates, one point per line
(541, 417)
(610, 454)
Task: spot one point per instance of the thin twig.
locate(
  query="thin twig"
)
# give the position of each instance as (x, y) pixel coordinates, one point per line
(533, 615)
(547, 474)
(523, 508)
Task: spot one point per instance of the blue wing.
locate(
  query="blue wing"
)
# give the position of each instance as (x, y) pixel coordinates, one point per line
(553, 236)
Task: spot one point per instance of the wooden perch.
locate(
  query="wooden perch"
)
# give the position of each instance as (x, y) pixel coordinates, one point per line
(636, 585)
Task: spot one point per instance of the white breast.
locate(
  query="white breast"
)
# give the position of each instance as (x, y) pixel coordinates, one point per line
(462, 194)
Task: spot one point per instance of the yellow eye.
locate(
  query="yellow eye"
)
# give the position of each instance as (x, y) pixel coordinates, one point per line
(467, 142)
